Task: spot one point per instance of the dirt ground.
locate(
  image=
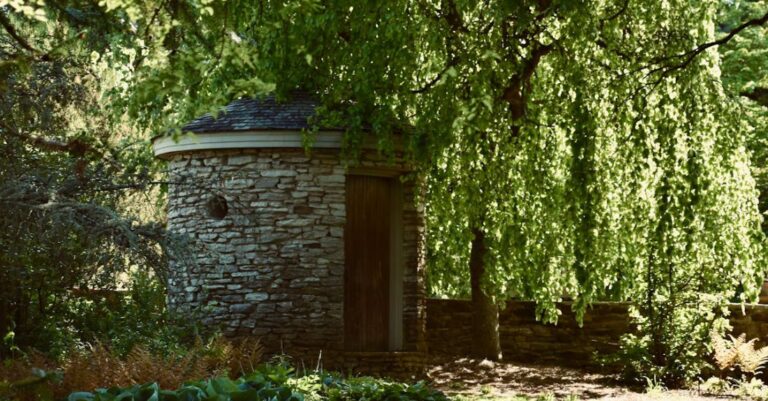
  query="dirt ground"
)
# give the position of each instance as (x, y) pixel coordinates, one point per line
(483, 380)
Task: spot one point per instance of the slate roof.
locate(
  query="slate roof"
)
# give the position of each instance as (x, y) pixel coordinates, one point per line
(259, 114)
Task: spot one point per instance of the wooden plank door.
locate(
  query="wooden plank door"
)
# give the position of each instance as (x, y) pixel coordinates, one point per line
(367, 259)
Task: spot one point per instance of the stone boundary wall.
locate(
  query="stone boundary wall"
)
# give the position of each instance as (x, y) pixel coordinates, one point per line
(449, 330)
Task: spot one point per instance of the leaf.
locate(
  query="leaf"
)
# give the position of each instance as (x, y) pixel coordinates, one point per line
(80, 396)
(246, 395)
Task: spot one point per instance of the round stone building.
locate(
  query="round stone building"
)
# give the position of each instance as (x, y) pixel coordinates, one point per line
(296, 247)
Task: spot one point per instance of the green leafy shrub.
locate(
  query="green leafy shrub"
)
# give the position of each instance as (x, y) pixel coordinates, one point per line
(715, 386)
(272, 382)
(367, 388)
(138, 316)
(122, 320)
(753, 389)
(36, 386)
(673, 356)
(672, 341)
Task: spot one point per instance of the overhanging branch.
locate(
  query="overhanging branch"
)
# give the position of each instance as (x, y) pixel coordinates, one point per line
(690, 55)
(74, 147)
(431, 83)
(514, 93)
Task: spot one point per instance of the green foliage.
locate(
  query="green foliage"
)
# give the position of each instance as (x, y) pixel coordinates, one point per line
(273, 383)
(666, 354)
(744, 65)
(715, 385)
(73, 187)
(121, 319)
(676, 304)
(366, 388)
(611, 175)
(745, 79)
(543, 397)
(38, 386)
(753, 389)
(137, 316)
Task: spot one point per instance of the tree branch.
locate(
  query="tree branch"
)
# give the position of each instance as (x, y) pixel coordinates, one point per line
(451, 14)
(431, 83)
(514, 93)
(618, 13)
(74, 147)
(690, 55)
(11, 30)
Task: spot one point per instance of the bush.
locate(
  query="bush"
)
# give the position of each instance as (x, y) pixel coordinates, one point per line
(120, 319)
(274, 383)
(672, 343)
(138, 316)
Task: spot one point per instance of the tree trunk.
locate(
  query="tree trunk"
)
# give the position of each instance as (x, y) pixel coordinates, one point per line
(486, 313)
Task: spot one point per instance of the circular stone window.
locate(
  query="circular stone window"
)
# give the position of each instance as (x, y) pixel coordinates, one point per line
(217, 207)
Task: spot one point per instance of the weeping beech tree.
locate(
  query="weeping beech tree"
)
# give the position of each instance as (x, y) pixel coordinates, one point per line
(626, 178)
(572, 149)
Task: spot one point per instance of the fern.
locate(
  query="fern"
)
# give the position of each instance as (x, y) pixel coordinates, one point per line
(99, 366)
(751, 359)
(737, 352)
(725, 352)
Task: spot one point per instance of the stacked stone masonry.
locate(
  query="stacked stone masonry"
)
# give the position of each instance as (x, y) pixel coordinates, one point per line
(273, 267)
(449, 331)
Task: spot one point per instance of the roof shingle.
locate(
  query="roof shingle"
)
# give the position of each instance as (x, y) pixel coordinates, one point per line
(261, 114)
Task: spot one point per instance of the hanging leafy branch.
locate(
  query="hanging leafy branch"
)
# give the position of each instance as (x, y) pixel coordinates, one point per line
(666, 68)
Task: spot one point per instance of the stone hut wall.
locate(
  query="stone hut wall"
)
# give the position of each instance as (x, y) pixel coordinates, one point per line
(273, 267)
(449, 331)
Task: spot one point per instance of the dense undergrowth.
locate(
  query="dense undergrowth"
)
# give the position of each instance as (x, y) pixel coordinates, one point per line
(35, 376)
(273, 383)
(269, 382)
